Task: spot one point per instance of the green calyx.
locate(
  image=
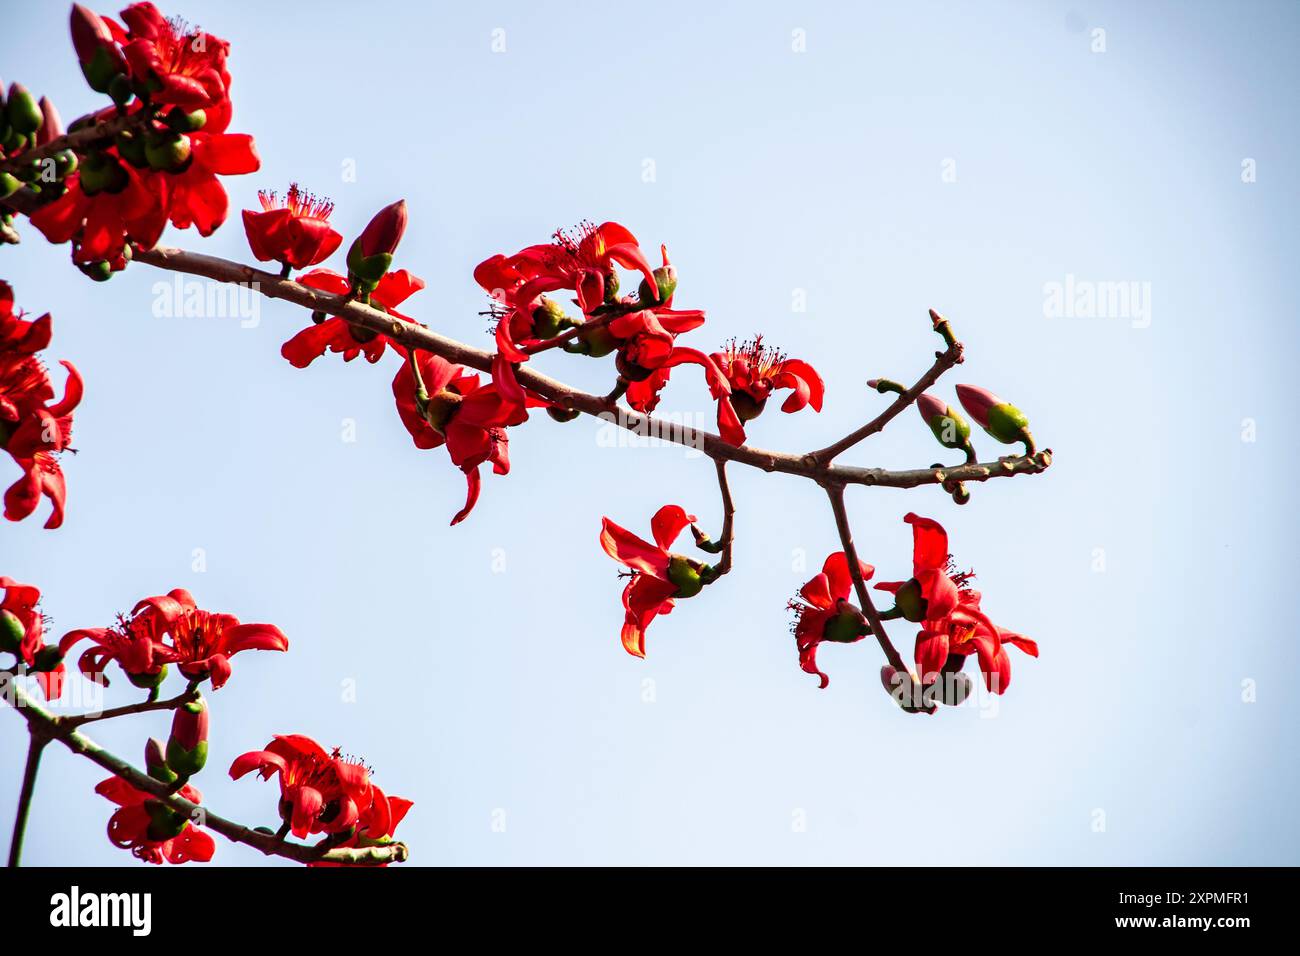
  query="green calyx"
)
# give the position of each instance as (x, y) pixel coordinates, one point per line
(184, 762)
(950, 429)
(666, 280)
(11, 632)
(182, 122)
(1007, 423)
(164, 822)
(9, 185)
(168, 152)
(910, 603)
(148, 681)
(100, 70)
(47, 658)
(368, 269)
(102, 173)
(747, 407)
(845, 626)
(686, 574)
(130, 146)
(440, 409)
(596, 342)
(549, 319)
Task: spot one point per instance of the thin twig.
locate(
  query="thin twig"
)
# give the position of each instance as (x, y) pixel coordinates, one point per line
(44, 724)
(728, 514)
(836, 494)
(77, 720)
(943, 361)
(34, 749)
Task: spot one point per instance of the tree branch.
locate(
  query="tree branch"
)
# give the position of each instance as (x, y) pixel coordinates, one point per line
(94, 133)
(144, 707)
(943, 361)
(35, 746)
(836, 494)
(44, 724)
(417, 336)
(728, 516)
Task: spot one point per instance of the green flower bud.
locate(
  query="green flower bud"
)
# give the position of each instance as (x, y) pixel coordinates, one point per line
(8, 185)
(155, 762)
(180, 121)
(102, 173)
(951, 430)
(22, 110)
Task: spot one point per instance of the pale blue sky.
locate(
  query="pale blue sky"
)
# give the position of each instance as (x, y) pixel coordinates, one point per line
(775, 171)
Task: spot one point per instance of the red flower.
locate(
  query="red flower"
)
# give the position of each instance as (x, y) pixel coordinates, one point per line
(22, 633)
(18, 335)
(647, 351)
(449, 406)
(939, 598)
(754, 371)
(828, 614)
(107, 204)
(135, 642)
(294, 231)
(658, 576)
(320, 792)
(377, 824)
(583, 262)
(202, 642)
(339, 335)
(172, 65)
(33, 427)
(193, 195)
(943, 645)
(150, 829)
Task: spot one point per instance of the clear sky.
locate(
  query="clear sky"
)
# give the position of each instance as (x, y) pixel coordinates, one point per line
(887, 159)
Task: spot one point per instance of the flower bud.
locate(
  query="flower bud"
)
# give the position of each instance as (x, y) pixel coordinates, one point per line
(372, 252)
(101, 60)
(51, 125)
(155, 762)
(951, 430)
(9, 185)
(1000, 419)
(22, 110)
(900, 686)
(187, 748)
(130, 146)
(167, 152)
(11, 632)
(666, 280)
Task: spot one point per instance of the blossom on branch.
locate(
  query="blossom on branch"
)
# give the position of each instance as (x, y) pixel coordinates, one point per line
(22, 634)
(152, 830)
(825, 612)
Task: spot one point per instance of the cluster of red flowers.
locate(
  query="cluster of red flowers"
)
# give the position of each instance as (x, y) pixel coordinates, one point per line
(324, 792)
(34, 428)
(171, 91)
(937, 597)
(171, 629)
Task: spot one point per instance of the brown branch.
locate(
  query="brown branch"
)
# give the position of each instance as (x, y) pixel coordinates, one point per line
(94, 133)
(417, 336)
(42, 723)
(728, 516)
(77, 720)
(836, 494)
(943, 361)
